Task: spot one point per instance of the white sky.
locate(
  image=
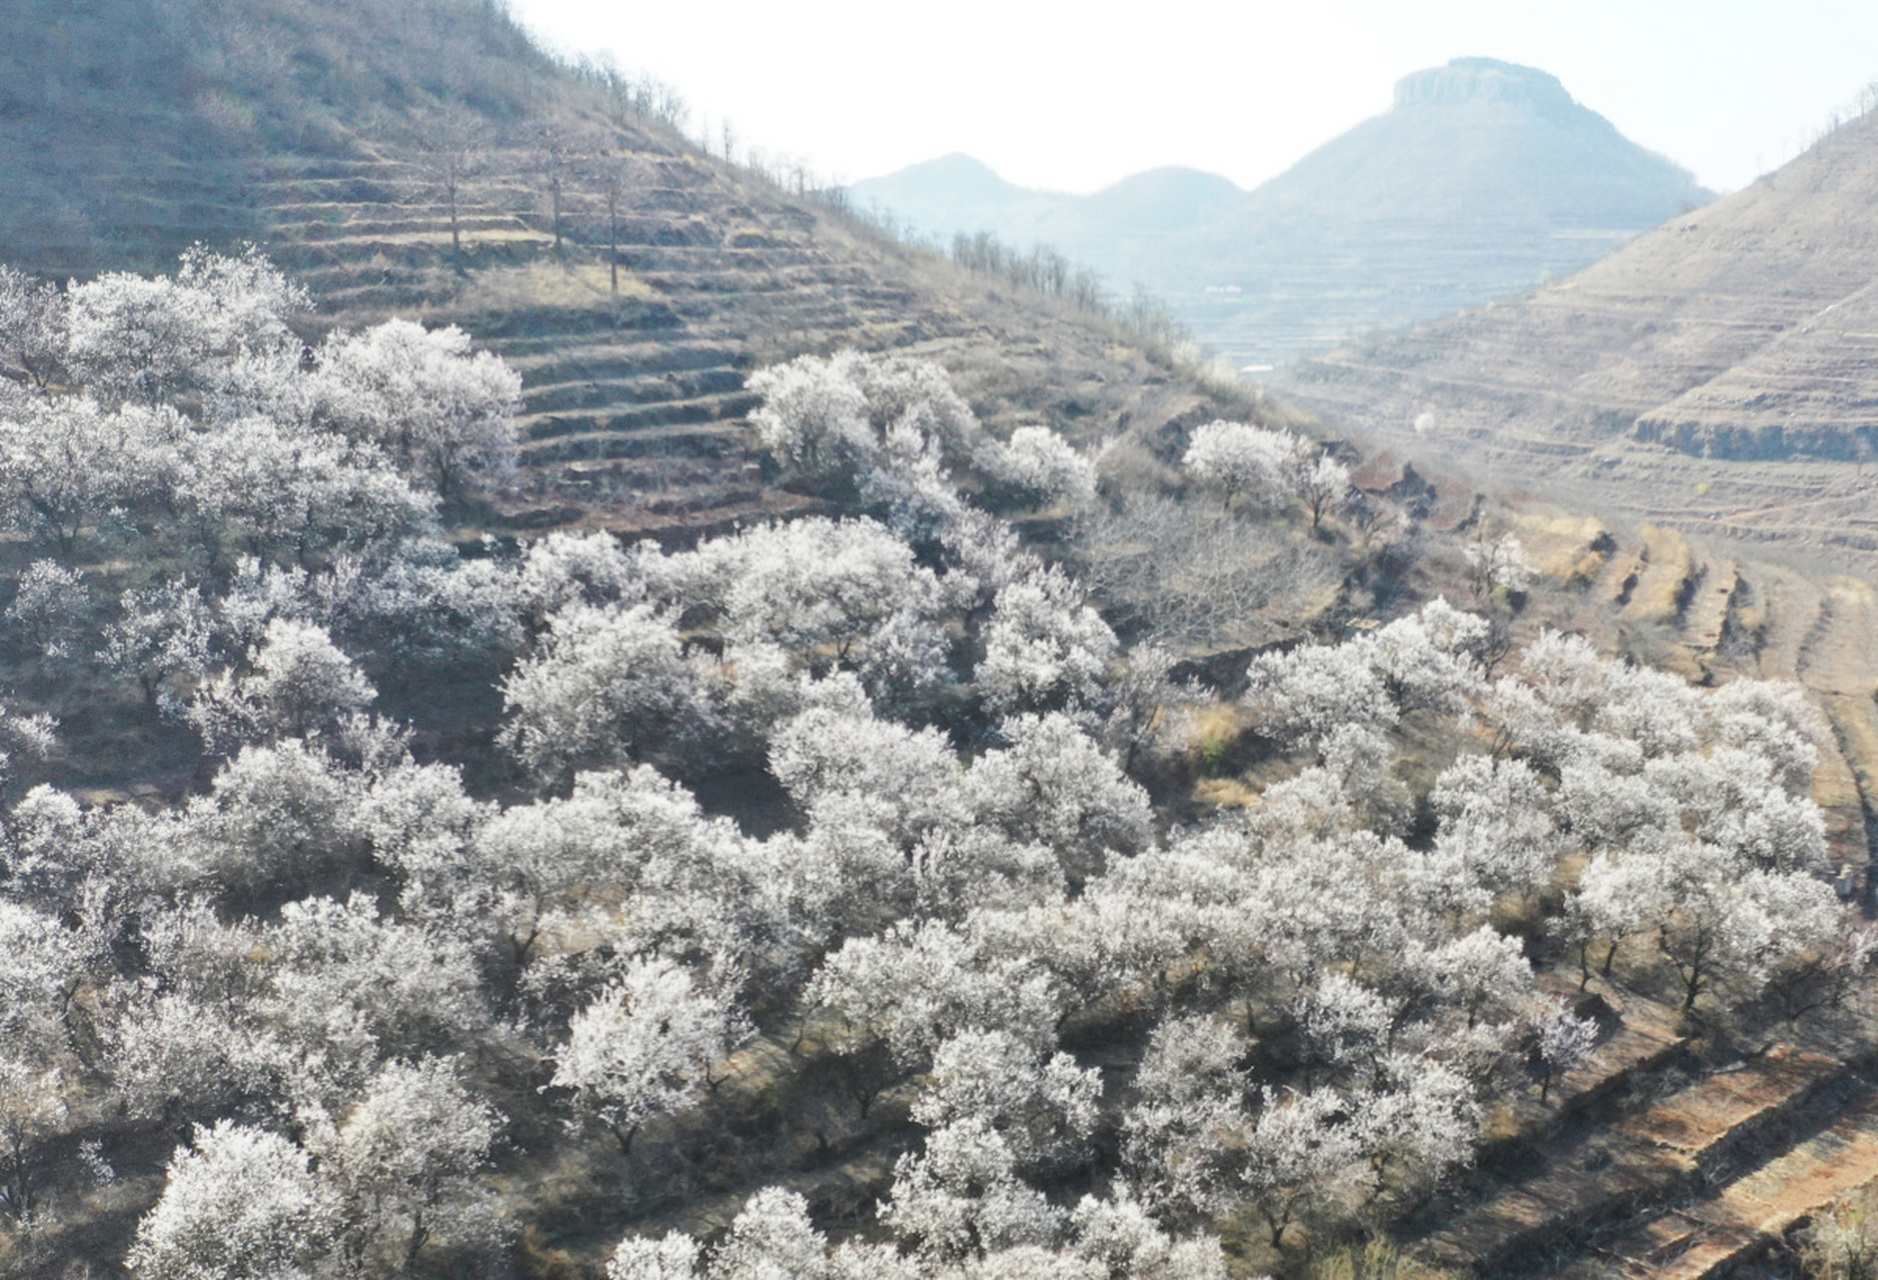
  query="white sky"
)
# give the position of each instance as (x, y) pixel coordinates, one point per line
(1075, 96)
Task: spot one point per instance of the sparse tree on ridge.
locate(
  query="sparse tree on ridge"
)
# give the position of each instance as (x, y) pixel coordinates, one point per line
(1323, 487)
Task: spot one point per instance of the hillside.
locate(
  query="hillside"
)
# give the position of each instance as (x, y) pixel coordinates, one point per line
(1715, 375)
(813, 887)
(1708, 390)
(327, 137)
(1206, 854)
(1483, 179)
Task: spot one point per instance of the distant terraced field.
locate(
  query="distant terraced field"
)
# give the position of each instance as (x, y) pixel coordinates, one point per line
(1716, 375)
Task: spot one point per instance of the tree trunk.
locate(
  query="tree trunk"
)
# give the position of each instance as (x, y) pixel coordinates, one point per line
(419, 1235)
(1691, 988)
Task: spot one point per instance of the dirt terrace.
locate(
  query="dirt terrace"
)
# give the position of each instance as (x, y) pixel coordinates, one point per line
(1640, 1165)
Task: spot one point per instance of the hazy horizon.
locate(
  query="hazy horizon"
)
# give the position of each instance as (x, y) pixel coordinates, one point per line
(1729, 90)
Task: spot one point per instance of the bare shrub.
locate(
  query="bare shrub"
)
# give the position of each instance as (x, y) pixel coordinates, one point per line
(1191, 575)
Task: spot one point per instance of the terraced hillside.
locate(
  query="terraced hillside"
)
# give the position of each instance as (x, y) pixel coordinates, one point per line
(634, 402)
(1659, 1162)
(1690, 606)
(1708, 393)
(1645, 1164)
(1716, 374)
(1648, 1162)
(634, 399)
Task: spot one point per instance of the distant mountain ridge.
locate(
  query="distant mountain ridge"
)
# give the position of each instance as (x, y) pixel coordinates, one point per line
(957, 194)
(1483, 179)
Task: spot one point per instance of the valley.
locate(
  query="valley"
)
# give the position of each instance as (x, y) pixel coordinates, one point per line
(576, 709)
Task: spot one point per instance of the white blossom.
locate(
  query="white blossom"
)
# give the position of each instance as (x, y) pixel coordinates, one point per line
(444, 413)
(239, 1203)
(606, 686)
(1048, 468)
(398, 1168)
(1043, 1107)
(644, 1047)
(1239, 459)
(1045, 649)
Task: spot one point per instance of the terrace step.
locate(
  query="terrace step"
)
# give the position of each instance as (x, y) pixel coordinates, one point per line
(1658, 593)
(1715, 1236)
(646, 388)
(1707, 611)
(712, 441)
(1620, 574)
(1648, 1178)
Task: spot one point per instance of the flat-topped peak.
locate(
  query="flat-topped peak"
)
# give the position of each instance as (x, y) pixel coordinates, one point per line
(1482, 80)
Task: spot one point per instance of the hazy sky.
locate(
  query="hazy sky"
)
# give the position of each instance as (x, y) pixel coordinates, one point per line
(1075, 96)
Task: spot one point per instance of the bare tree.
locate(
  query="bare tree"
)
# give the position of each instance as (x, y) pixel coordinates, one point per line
(456, 150)
(615, 87)
(1324, 485)
(555, 154)
(615, 172)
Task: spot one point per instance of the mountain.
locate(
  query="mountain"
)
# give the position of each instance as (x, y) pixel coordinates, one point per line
(1111, 230)
(1717, 372)
(331, 136)
(1483, 179)
(952, 193)
(1475, 143)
